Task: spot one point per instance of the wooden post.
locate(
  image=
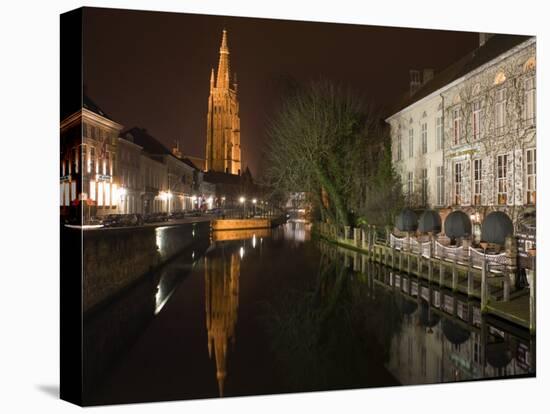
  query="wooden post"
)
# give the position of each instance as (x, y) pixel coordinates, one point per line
(532, 298)
(455, 275)
(441, 273)
(419, 264)
(392, 258)
(470, 277)
(484, 284)
(347, 230)
(401, 260)
(356, 236)
(356, 263)
(363, 239)
(506, 286)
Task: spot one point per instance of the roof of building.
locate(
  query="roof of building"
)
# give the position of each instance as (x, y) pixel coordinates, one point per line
(493, 47)
(149, 143)
(89, 104)
(218, 177)
(189, 162)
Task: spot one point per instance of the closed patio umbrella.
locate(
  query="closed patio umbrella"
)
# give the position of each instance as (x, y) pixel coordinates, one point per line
(429, 221)
(458, 224)
(496, 227)
(406, 220)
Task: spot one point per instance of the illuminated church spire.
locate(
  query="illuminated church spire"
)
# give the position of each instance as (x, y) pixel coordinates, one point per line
(223, 127)
(223, 66)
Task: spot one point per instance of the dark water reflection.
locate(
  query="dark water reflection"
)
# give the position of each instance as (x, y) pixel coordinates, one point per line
(263, 312)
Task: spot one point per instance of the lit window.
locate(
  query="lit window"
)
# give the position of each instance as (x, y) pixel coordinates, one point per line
(500, 110)
(92, 189)
(456, 125)
(502, 180)
(411, 143)
(477, 182)
(410, 183)
(531, 175)
(66, 192)
(399, 147)
(440, 186)
(100, 191)
(424, 134)
(73, 191)
(439, 132)
(530, 101)
(458, 183)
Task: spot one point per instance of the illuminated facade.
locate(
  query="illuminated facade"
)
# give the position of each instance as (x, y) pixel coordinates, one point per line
(467, 139)
(222, 304)
(223, 136)
(88, 162)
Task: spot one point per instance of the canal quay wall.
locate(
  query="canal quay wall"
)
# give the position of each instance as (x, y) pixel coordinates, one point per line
(246, 224)
(485, 277)
(115, 258)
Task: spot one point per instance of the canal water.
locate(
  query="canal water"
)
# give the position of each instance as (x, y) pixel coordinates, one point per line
(278, 311)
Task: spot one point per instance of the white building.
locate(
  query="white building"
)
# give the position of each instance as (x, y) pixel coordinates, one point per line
(88, 161)
(417, 150)
(467, 138)
(129, 176)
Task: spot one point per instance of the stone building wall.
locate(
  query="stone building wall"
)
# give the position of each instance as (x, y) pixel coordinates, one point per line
(508, 72)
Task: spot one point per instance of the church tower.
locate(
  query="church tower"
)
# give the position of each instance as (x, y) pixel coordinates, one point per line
(223, 135)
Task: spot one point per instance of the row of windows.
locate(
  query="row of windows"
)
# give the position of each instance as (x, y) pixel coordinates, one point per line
(423, 139)
(500, 114)
(94, 163)
(501, 181)
(99, 134)
(500, 121)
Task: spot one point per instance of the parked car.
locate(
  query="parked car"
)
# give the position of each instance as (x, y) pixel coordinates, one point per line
(155, 217)
(177, 215)
(215, 211)
(112, 220)
(195, 213)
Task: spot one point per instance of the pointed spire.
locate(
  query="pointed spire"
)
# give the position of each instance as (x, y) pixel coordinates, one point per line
(212, 80)
(222, 80)
(224, 48)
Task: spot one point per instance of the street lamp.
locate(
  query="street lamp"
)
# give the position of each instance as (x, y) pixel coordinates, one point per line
(242, 201)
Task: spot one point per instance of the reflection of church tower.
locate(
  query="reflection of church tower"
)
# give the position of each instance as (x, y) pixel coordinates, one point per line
(222, 302)
(223, 136)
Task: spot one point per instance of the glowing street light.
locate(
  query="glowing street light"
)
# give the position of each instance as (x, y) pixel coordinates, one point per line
(242, 200)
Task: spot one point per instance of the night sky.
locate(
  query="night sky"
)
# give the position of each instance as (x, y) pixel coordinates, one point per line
(152, 69)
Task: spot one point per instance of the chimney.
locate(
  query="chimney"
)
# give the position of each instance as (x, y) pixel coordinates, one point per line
(427, 75)
(414, 81)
